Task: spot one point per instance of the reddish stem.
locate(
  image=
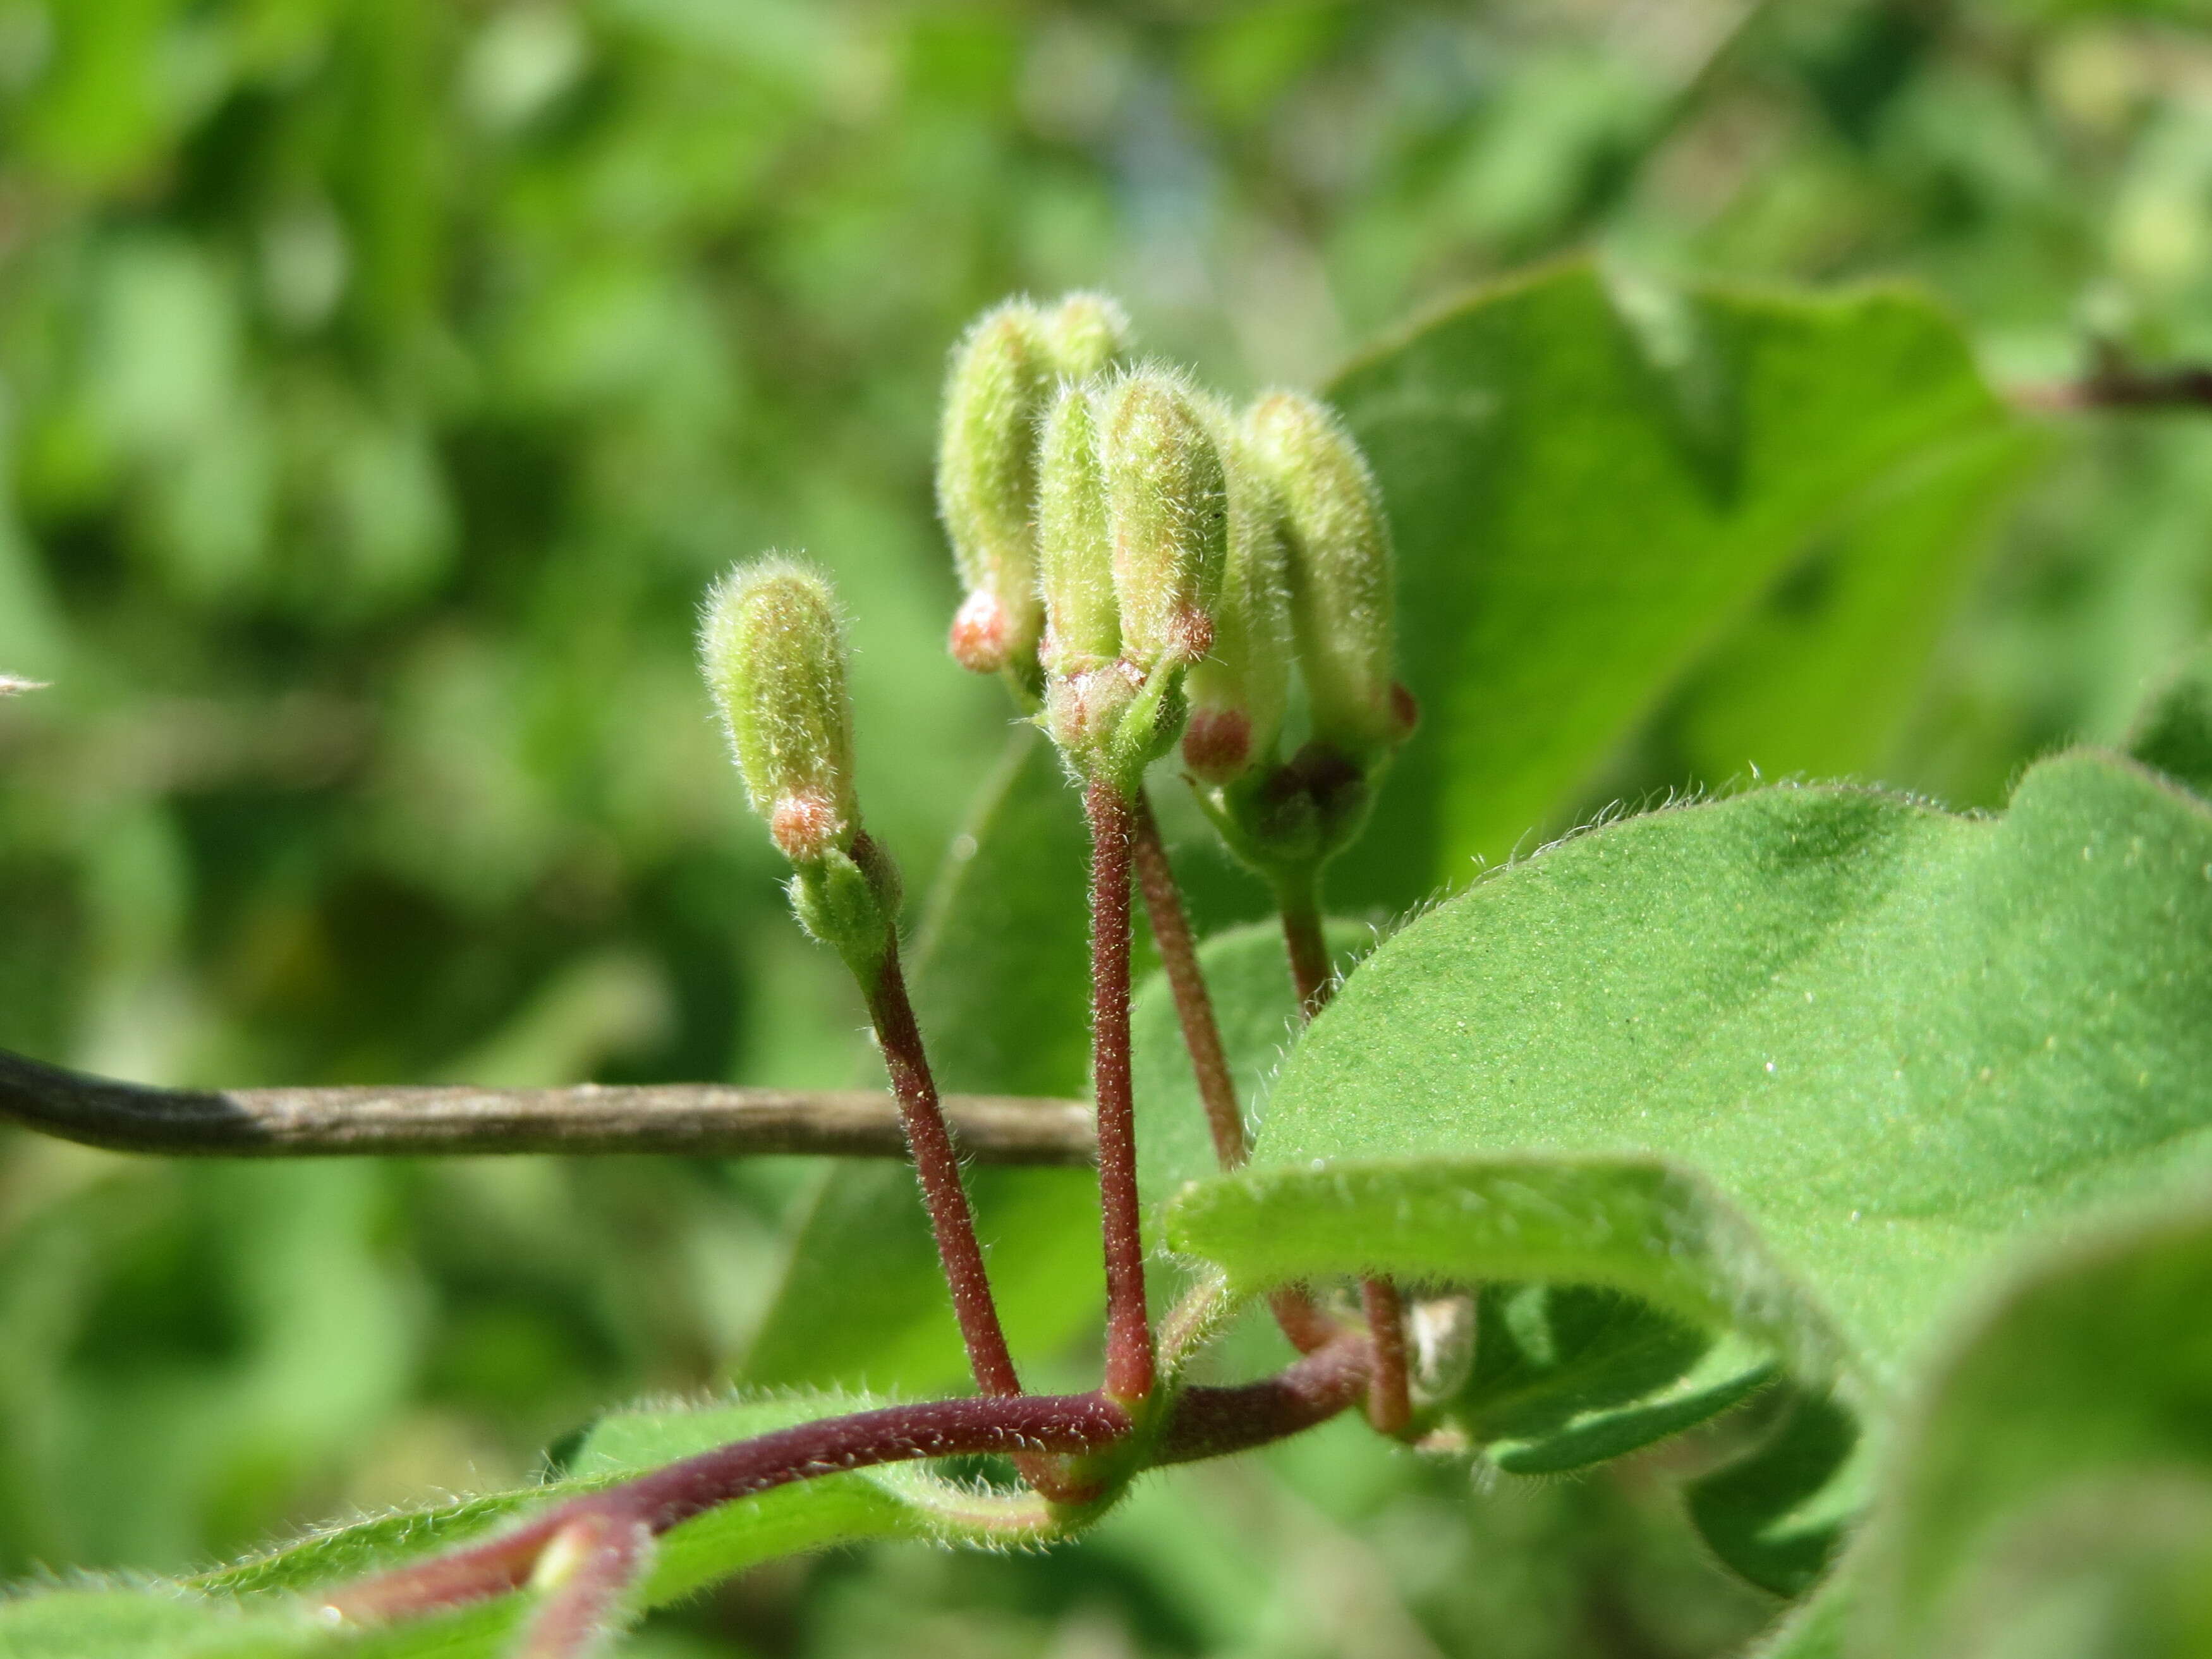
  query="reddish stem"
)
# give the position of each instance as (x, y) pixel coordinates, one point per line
(1202, 1032)
(1304, 1324)
(1390, 1398)
(608, 1555)
(1128, 1328)
(671, 1495)
(1212, 1422)
(937, 1166)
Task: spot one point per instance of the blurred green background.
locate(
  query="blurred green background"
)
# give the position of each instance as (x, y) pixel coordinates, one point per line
(382, 380)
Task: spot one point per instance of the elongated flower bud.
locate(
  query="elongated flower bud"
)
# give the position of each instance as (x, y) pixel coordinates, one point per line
(1001, 372)
(772, 648)
(1168, 501)
(1075, 552)
(1238, 691)
(1337, 546)
(1085, 334)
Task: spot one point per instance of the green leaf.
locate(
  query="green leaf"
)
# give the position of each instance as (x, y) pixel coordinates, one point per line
(1569, 1375)
(1002, 985)
(1818, 679)
(1801, 1064)
(2056, 1475)
(1589, 495)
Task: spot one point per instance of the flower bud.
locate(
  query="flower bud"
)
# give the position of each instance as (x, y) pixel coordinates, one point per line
(1167, 499)
(1083, 628)
(1000, 373)
(1238, 689)
(1337, 546)
(772, 646)
(1084, 335)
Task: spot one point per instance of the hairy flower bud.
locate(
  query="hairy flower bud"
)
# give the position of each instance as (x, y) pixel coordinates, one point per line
(1000, 373)
(1167, 497)
(1083, 628)
(1085, 334)
(1337, 546)
(1238, 691)
(772, 646)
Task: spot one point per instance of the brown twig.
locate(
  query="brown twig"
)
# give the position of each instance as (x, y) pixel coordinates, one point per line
(1129, 1368)
(2114, 385)
(702, 1119)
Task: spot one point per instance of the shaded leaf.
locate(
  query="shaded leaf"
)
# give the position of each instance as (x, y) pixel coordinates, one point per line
(1587, 496)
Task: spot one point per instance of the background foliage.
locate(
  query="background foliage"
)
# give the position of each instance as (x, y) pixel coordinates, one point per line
(381, 381)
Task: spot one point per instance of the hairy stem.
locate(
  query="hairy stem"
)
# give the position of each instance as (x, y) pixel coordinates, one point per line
(671, 1495)
(937, 1167)
(1304, 1323)
(1390, 1398)
(1202, 1032)
(1213, 1422)
(592, 1564)
(1129, 1366)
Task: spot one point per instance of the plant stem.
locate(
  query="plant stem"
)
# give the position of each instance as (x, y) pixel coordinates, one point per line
(671, 1495)
(1304, 1324)
(600, 1558)
(1212, 1422)
(1389, 1397)
(1128, 1330)
(937, 1167)
(688, 1120)
(1202, 1032)
(1300, 902)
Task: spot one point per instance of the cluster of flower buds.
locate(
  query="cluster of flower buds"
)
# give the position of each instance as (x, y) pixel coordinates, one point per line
(1003, 375)
(772, 644)
(1148, 561)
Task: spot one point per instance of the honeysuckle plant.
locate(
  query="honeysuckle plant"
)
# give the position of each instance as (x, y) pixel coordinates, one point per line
(1878, 1137)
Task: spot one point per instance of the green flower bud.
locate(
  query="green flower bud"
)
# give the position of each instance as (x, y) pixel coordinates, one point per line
(772, 646)
(1238, 691)
(1085, 334)
(1082, 626)
(1338, 544)
(1167, 497)
(1001, 373)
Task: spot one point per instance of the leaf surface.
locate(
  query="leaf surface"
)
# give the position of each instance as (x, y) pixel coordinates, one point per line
(1801, 1065)
(1590, 490)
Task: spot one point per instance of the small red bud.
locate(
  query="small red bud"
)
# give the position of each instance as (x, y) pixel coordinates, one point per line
(1190, 636)
(805, 827)
(982, 633)
(1217, 744)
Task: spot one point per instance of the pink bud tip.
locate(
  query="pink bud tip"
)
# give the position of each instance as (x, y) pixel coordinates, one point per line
(1217, 744)
(805, 828)
(1405, 712)
(1190, 636)
(979, 633)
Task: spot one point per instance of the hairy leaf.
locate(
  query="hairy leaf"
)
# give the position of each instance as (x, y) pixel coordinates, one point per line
(1800, 1064)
